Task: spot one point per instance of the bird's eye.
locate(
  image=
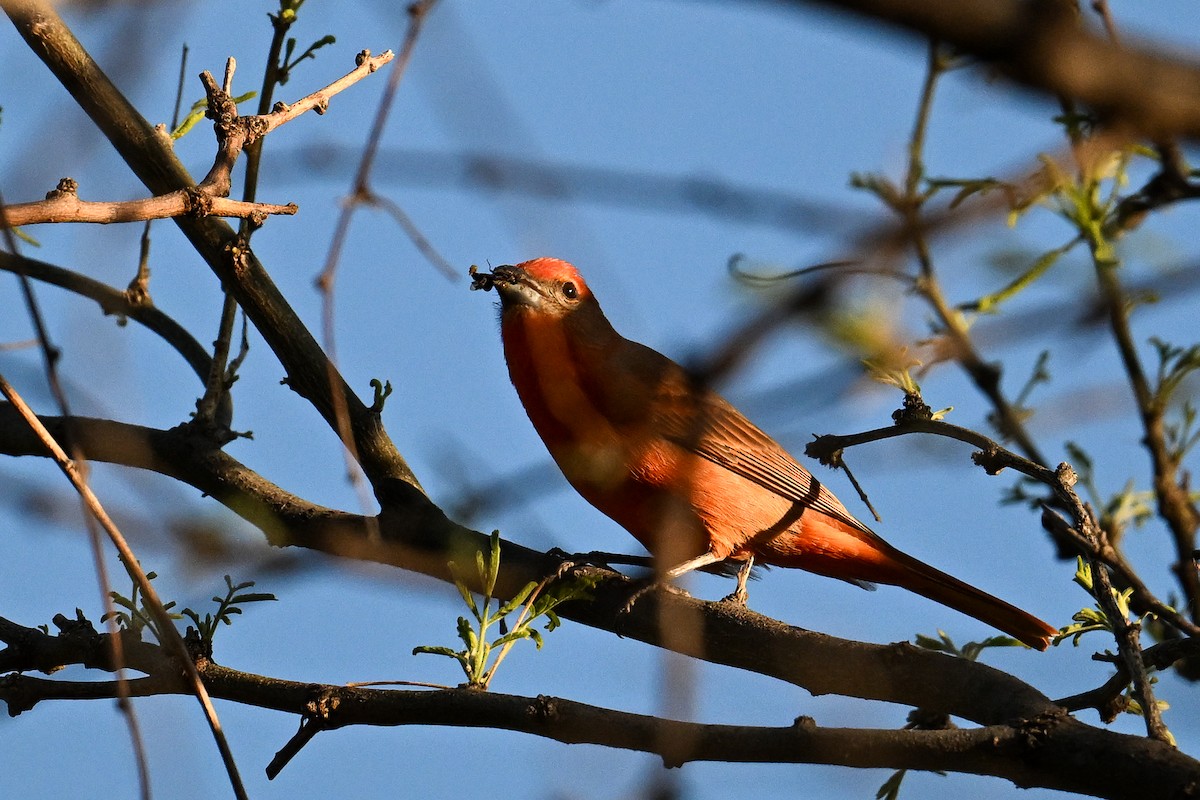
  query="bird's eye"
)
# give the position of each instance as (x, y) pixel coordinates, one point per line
(569, 291)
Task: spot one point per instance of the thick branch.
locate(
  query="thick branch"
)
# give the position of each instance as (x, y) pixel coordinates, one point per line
(732, 636)
(1029, 753)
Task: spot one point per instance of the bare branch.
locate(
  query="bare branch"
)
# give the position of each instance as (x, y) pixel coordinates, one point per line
(155, 163)
(63, 205)
(235, 132)
(114, 302)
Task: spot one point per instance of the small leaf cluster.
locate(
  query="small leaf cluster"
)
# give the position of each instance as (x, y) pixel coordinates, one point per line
(132, 615)
(1091, 619)
(1087, 620)
(227, 606)
(970, 651)
(534, 600)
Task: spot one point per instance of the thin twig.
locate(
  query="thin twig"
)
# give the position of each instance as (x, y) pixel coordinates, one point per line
(63, 205)
(415, 235)
(235, 132)
(1125, 632)
(50, 359)
(994, 458)
(417, 14)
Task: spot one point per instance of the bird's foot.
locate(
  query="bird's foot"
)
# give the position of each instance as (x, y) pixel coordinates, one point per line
(739, 597)
(597, 558)
(567, 561)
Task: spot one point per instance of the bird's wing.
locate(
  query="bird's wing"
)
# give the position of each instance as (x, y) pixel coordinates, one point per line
(704, 423)
(709, 426)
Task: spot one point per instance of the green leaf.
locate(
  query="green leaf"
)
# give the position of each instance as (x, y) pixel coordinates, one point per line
(287, 64)
(514, 636)
(890, 789)
(517, 600)
(481, 569)
(467, 634)
(196, 113)
(253, 597)
(990, 302)
(467, 597)
(493, 564)
(434, 650)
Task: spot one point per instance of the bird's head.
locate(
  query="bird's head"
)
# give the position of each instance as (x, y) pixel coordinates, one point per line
(544, 286)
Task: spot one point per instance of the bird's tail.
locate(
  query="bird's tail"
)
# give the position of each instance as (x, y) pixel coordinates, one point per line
(923, 579)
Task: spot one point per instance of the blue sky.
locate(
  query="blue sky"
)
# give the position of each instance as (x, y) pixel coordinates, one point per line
(745, 94)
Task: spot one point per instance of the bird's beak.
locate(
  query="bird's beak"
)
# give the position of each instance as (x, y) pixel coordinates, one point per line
(517, 287)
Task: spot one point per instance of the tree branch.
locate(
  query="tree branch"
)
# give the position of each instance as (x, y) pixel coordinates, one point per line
(993, 458)
(63, 205)
(174, 641)
(1028, 752)
(308, 370)
(114, 302)
(235, 132)
(423, 539)
(1041, 45)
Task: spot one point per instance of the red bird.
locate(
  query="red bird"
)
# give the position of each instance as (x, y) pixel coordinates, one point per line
(681, 469)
